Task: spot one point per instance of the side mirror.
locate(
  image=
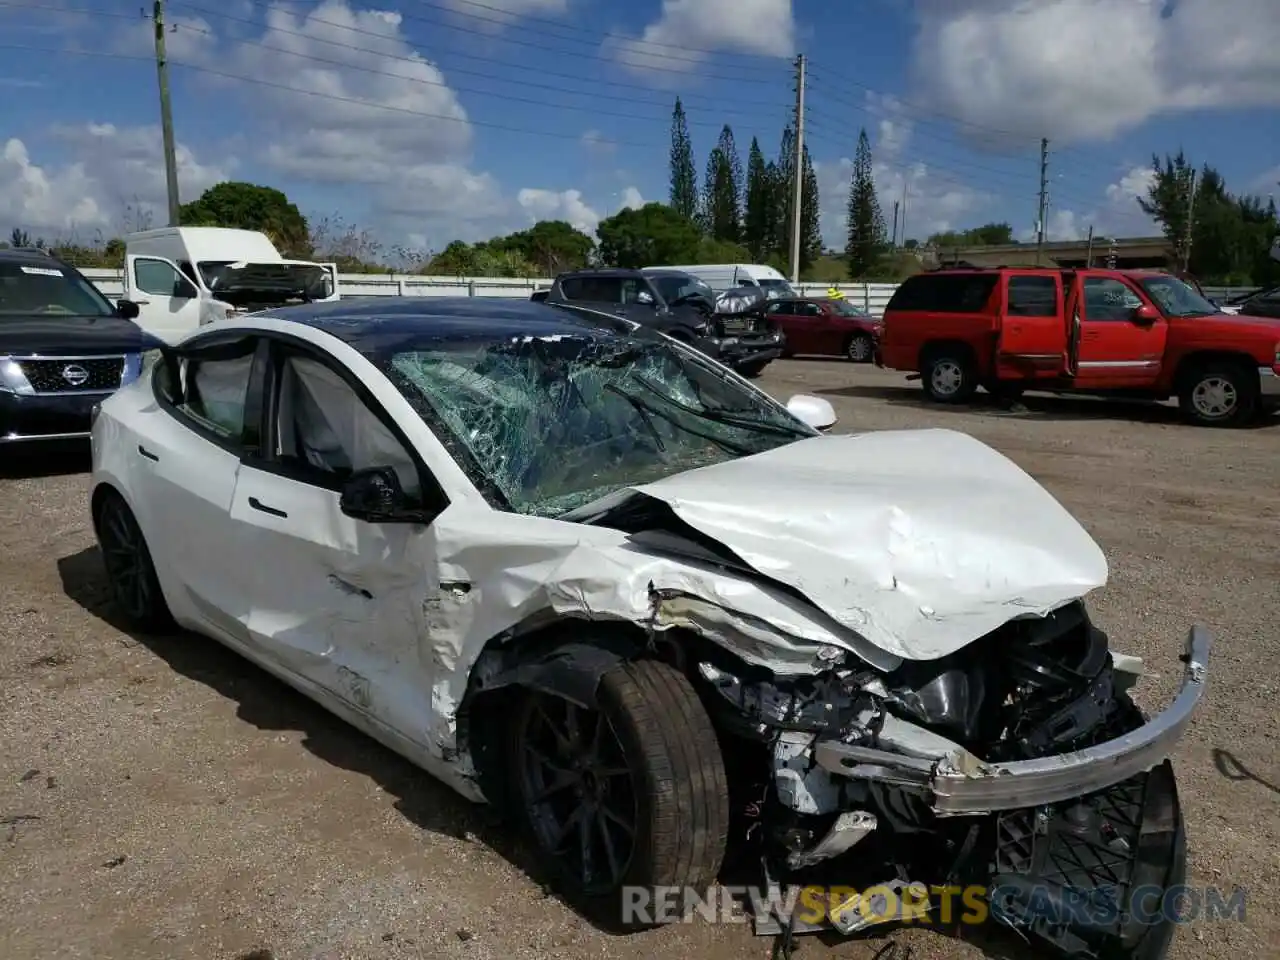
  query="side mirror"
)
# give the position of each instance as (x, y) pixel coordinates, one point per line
(814, 411)
(376, 495)
(128, 309)
(1145, 314)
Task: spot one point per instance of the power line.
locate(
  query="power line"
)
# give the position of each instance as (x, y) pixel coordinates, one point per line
(323, 96)
(446, 84)
(530, 18)
(533, 44)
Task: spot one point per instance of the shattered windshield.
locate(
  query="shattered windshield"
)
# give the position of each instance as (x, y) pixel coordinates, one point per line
(552, 423)
(1177, 298)
(777, 289)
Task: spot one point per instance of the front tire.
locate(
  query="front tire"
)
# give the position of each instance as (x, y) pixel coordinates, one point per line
(949, 375)
(1220, 395)
(135, 587)
(629, 794)
(752, 370)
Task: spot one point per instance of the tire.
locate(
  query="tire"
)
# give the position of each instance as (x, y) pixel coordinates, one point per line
(948, 375)
(752, 370)
(860, 348)
(131, 573)
(657, 764)
(1219, 394)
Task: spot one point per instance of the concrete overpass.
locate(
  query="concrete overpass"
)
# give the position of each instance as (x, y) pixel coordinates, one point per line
(1132, 253)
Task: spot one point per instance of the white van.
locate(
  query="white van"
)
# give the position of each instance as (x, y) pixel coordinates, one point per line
(725, 276)
(182, 278)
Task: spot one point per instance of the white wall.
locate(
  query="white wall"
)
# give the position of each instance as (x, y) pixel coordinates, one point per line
(872, 296)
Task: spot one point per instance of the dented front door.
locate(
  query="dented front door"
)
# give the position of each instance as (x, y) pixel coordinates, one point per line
(335, 600)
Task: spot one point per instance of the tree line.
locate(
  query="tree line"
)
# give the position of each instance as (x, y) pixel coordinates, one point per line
(738, 216)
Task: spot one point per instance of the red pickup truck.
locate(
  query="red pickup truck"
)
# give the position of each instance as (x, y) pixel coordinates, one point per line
(1125, 333)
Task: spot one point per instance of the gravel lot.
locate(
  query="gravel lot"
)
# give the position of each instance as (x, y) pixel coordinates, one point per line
(165, 799)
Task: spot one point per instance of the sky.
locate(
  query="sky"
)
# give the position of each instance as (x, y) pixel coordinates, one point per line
(427, 121)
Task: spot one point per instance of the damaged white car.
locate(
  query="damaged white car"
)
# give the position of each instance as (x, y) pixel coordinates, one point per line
(569, 565)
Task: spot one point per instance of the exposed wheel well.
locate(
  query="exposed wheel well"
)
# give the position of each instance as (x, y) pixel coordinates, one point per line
(935, 347)
(99, 496)
(1193, 363)
(482, 714)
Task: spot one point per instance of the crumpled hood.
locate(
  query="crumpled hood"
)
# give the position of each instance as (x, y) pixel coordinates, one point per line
(920, 541)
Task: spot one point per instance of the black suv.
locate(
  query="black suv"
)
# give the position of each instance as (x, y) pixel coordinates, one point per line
(674, 303)
(63, 348)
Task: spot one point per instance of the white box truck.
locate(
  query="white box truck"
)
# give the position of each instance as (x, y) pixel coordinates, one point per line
(182, 278)
(725, 276)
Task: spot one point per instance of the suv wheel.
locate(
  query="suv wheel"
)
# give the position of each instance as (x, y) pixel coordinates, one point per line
(1219, 395)
(948, 376)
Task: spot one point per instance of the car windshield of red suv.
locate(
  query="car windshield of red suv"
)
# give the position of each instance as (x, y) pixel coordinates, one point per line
(847, 309)
(1176, 298)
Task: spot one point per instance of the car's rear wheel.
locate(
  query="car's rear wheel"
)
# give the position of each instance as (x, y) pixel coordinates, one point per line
(130, 570)
(949, 375)
(859, 348)
(630, 793)
(1219, 394)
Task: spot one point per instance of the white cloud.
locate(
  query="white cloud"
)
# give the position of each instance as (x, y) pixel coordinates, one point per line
(567, 205)
(631, 199)
(765, 27)
(115, 180)
(190, 39)
(1088, 69)
(933, 203)
(1117, 213)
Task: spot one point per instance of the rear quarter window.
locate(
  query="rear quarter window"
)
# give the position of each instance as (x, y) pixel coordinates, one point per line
(943, 293)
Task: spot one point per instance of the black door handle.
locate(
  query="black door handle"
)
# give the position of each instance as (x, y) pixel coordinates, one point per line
(147, 453)
(259, 505)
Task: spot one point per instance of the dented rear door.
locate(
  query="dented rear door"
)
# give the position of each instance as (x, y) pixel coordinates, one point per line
(1032, 342)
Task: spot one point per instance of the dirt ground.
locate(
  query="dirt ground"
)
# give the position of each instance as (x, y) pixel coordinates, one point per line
(165, 799)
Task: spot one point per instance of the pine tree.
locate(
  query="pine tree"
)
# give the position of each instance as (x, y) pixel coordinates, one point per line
(722, 206)
(784, 194)
(684, 180)
(810, 224)
(866, 236)
(757, 221)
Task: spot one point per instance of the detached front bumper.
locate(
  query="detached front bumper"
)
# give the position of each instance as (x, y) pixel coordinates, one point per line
(962, 784)
(740, 350)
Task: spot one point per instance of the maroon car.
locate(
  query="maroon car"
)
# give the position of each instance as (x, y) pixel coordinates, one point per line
(826, 327)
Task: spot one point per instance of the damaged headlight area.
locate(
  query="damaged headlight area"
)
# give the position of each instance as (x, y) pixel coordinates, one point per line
(1000, 763)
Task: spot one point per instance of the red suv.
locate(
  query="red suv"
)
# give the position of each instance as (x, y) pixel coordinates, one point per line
(826, 327)
(1131, 333)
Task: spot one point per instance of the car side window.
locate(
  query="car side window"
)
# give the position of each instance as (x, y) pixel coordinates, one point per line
(1033, 297)
(1106, 298)
(161, 279)
(593, 289)
(811, 310)
(325, 431)
(778, 308)
(209, 390)
(944, 293)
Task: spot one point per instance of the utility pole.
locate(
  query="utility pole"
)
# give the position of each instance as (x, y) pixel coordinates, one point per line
(895, 225)
(1186, 239)
(1044, 199)
(1088, 256)
(797, 201)
(904, 208)
(166, 114)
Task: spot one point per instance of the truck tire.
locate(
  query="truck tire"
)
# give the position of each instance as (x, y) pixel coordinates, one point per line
(948, 374)
(639, 779)
(1219, 393)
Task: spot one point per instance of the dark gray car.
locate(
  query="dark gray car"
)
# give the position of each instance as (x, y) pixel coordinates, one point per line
(674, 303)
